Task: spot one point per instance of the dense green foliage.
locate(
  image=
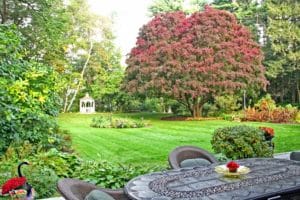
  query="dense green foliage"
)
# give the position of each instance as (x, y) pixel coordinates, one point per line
(111, 174)
(28, 98)
(116, 122)
(239, 142)
(161, 6)
(43, 23)
(93, 61)
(47, 167)
(152, 144)
(60, 34)
(283, 60)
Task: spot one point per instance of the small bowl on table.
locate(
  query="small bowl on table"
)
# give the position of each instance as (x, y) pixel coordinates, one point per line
(232, 169)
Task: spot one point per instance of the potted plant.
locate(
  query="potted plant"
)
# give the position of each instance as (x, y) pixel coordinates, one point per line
(269, 135)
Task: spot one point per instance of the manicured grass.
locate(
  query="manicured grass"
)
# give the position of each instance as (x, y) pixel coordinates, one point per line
(151, 145)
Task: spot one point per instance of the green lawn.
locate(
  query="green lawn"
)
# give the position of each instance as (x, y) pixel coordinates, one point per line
(152, 144)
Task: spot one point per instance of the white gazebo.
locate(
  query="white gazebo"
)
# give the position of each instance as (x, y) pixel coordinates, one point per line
(87, 104)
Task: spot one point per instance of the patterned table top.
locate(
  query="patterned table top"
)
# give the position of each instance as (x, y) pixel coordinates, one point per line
(267, 177)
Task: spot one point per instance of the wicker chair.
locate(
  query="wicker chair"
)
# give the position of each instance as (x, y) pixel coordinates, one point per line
(182, 153)
(295, 155)
(73, 189)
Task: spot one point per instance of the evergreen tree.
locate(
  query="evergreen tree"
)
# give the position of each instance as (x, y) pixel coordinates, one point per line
(161, 6)
(284, 57)
(249, 13)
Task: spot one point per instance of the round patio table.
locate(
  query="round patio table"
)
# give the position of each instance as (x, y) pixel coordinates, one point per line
(268, 178)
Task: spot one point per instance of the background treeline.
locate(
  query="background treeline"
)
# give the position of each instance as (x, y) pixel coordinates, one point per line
(76, 44)
(79, 47)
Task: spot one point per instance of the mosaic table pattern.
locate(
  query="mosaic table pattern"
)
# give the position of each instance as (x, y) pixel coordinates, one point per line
(267, 177)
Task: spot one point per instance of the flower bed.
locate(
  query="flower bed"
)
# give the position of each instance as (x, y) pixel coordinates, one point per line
(114, 122)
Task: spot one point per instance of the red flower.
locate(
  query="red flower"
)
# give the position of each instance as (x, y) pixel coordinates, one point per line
(232, 166)
(267, 130)
(12, 184)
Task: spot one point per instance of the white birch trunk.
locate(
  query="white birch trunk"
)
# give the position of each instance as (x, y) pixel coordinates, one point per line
(81, 76)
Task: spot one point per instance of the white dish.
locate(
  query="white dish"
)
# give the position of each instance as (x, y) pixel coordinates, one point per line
(222, 169)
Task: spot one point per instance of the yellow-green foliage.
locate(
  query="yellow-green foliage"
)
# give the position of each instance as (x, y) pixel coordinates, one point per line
(27, 94)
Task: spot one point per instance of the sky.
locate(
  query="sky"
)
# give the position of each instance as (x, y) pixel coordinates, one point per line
(130, 15)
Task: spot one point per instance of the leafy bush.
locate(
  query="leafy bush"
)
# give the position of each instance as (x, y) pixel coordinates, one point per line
(153, 105)
(128, 103)
(43, 180)
(227, 104)
(114, 122)
(27, 94)
(241, 142)
(46, 167)
(63, 164)
(110, 175)
(210, 110)
(266, 111)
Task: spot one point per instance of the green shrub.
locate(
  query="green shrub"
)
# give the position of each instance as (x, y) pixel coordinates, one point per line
(101, 122)
(241, 142)
(43, 180)
(63, 164)
(46, 167)
(28, 95)
(128, 103)
(153, 105)
(210, 110)
(227, 104)
(114, 122)
(110, 175)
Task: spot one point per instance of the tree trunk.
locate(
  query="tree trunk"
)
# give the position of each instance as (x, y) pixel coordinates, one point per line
(81, 76)
(293, 95)
(194, 106)
(282, 93)
(197, 110)
(298, 91)
(66, 100)
(4, 12)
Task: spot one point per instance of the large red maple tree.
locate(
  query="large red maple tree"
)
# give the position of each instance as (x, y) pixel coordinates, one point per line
(193, 58)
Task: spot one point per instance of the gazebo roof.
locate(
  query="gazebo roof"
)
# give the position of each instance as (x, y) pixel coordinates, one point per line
(87, 97)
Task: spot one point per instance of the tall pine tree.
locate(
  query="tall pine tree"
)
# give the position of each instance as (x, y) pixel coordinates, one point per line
(283, 63)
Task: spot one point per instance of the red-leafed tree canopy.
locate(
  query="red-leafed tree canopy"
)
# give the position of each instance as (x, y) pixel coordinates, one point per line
(192, 58)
